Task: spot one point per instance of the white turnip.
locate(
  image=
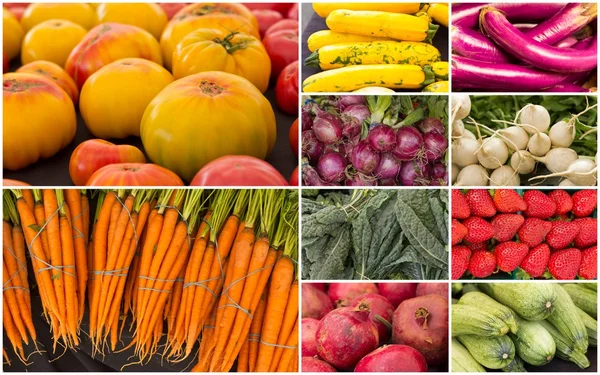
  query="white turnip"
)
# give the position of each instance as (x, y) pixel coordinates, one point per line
(536, 116)
(455, 170)
(461, 106)
(562, 134)
(493, 153)
(581, 172)
(472, 175)
(566, 182)
(464, 151)
(522, 162)
(558, 159)
(505, 176)
(469, 134)
(517, 136)
(458, 128)
(539, 144)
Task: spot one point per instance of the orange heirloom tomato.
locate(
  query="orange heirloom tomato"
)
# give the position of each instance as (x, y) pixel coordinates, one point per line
(114, 98)
(200, 9)
(204, 116)
(9, 182)
(134, 174)
(80, 13)
(148, 16)
(55, 73)
(12, 35)
(93, 154)
(206, 50)
(110, 42)
(51, 40)
(180, 26)
(38, 119)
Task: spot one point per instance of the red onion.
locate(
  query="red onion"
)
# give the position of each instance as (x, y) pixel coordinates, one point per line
(327, 128)
(306, 121)
(430, 124)
(435, 145)
(346, 148)
(311, 147)
(382, 138)
(331, 167)
(439, 174)
(359, 179)
(348, 100)
(310, 177)
(414, 173)
(364, 158)
(352, 119)
(389, 166)
(408, 143)
(387, 182)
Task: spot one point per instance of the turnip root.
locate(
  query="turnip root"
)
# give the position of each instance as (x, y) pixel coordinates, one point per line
(464, 151)
(339, 292)
(536, 116)
(469, 134)
(517, 137)
(493, 153)
(393, 358)
(562, 134)
(472, 175)
(455, 170)
(539, 144)
(432, 288)
(396, 292)
(381, 313)
(315, 303)
(309, 337)
(311, 364)
(422, 323)
(581, 172)
(505, 176)
(458, 128)
(558, 159)
(461, 106)
(566, 182)
(345, 335)
(522, 162)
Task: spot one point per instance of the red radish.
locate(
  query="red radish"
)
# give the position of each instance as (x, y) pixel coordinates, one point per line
(310, 364)
(381, 313)
(347, 291)
(345, 335)
(309, 338)
(422, 323)
(397, 292)
(315, 303)
(393, 358)
(432, 288)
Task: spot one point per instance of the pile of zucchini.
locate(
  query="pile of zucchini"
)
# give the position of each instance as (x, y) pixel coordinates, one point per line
(507, 325)
(377, 47)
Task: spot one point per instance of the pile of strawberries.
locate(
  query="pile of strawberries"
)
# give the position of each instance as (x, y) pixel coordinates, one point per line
(536, 235)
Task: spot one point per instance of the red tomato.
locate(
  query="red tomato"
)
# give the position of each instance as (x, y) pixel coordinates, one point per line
(282, 47)
(172, 8)
(282, 8)
(286, 90)
(294, 178)
(94, 154)
(293, 136)
(9, 182)
(134, 174)
(282, 25)
(266, 18)
(293, 12)
(238, 170)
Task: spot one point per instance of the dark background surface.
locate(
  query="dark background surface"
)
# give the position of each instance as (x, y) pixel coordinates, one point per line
(55, 170)
(311, 23)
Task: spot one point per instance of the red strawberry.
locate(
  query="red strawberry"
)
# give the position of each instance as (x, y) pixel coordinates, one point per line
(589, 263)
(536, 261)
(482, 264)
(538, 204)
(506, 226)
(460, 206)
(533, 231)
(562, 234)
(588, 232)
(509, 255)
(481, 203)
(479, 230)
(460, 261)
(564, 264)
(459, 232)
(584, 202)
(564, 202)
(509, 201)
(478, 246)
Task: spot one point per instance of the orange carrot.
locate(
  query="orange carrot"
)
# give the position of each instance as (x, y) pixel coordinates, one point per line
(289, 319)
(73, 198)
(11, 331)
(255, 329)
(243, 359)
(28, 196)
(69, 272)
(112, 225)
(13, 305)
(40, 221)
(85, 210)
(288, 352)
(19, 248)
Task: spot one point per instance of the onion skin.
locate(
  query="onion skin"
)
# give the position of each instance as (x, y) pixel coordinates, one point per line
(312, 148)
(364, 158)
(467, 15)
(435, 145)
(564, 23)
(526, 49)
(408, 142)
(389, 167)
(331, 167)
(474, 45)
(382, 138)
(327, 128)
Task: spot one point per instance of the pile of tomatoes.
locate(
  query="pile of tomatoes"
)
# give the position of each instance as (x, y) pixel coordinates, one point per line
(188, 79)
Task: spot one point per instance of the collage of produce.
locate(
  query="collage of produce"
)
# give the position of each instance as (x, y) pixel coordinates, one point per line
(300, 187)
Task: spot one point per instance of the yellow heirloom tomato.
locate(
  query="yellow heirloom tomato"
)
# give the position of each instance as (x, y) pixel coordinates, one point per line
(12, 35)
(38, 119)
(79, 13)
(202, 117)
(148, 16)
(200, 9)
(206, 50)
(114, 98)
(51, 40)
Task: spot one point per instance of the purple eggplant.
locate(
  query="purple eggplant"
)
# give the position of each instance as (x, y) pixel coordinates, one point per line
(467, 15)
(537, 54)
(567, 87)
(506, 77)
(568, 42)
(568, 20)
(474, 45)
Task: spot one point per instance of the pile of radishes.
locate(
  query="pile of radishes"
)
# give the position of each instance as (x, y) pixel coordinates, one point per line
(368, 327)
(513, 149)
